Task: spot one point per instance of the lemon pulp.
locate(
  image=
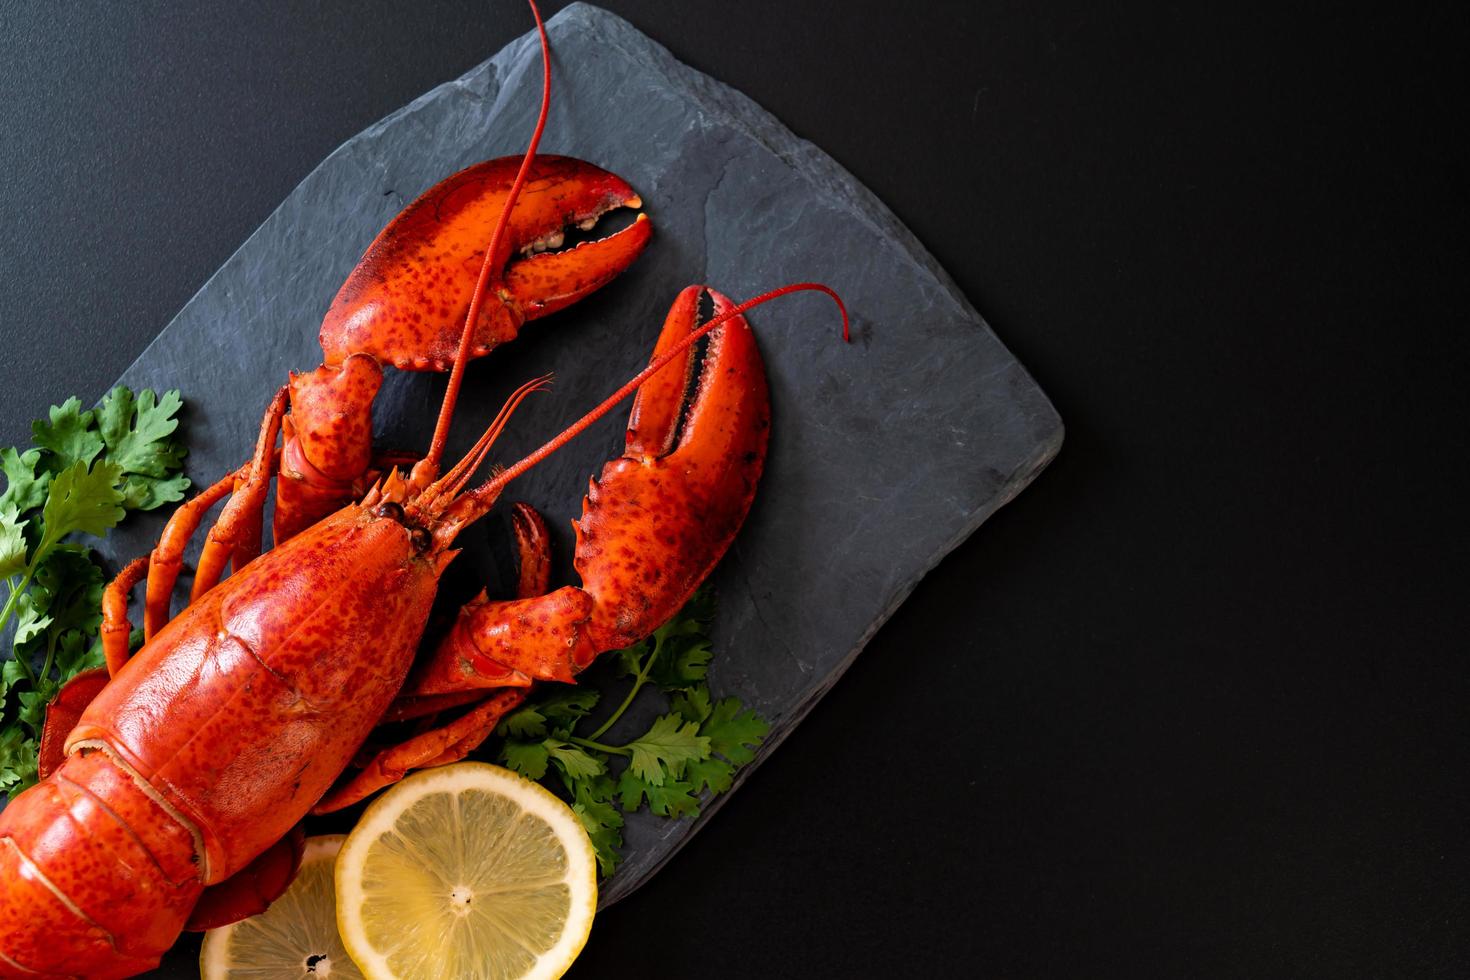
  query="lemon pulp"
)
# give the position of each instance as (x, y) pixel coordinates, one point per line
(466, 871)
(295, 937)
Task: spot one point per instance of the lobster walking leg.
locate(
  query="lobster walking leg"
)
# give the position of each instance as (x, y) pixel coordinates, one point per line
(167, 558)
(236, 535)
(436, 747)
(116, 629)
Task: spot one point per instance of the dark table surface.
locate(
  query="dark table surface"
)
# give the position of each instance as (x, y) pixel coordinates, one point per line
(1195, 703)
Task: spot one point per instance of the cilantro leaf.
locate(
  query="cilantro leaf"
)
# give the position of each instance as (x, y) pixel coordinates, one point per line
(137, 436)
(12, 543)
(671, 742)
(136, 433)
(69, 436)
(81, 500)
(18, 754)
(692, 704)
(527, 758)
(24, 488)
(713, 774)
(592, 804)
(682, 650)
(31, 619)
(147, 493)
(70, 584)
(11, 672)
(668, 798)
(33, 703)
(87, 469)
(569, 704)
(574, 762)
(695, 748)
(74, 654)
(734, 732)
(524, 722)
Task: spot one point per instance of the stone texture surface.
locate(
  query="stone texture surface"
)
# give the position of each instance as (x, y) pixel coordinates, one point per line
(885, 453)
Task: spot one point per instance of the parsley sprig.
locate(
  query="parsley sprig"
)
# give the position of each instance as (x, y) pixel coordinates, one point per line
(686, 756)
(86, 471)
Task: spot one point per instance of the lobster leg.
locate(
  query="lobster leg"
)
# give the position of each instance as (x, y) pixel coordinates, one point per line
(436, 747)
(236, 535)
(167, 558)
(116, 629)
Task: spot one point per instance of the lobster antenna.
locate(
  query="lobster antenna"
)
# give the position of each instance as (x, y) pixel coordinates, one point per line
(428, 467)
(487, 492)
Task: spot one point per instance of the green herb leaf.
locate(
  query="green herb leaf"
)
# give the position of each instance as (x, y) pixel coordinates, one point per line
(18, 754)
(573, 761)
(70, 585)
(524, 722)
(81, 501)
(568, 703)
(69, 436)
(692, 704)
(602, 821)
(734, 731)
(136, 433)
(147, 493)
(25, 489)
(138, 439)
(75, 654)
(682, 645)
(11, 673)
(669, 797)
(12, 543)
(671, 743)
(713, 774)
(30, 620)
(527, 758)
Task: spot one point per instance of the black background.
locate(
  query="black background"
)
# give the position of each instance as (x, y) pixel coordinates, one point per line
(1193, 705)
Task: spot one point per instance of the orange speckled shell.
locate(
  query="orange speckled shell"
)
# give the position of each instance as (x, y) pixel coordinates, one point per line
(406, 301)
(245, 708)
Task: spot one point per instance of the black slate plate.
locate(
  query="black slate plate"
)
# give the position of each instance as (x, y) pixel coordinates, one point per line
(885, 454)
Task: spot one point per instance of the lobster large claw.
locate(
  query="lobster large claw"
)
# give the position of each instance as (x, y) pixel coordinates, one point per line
(653, 525)
(406, 301)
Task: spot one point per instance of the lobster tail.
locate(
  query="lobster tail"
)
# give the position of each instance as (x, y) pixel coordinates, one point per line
(66, 847)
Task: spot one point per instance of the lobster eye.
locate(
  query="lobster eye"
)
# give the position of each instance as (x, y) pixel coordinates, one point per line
(390, 510)
(422, 539)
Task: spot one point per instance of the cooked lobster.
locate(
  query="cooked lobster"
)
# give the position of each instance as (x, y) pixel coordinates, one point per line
(175, 779)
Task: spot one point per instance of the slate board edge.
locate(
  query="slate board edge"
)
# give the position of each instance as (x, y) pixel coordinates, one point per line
(740, 112)
(615, 889)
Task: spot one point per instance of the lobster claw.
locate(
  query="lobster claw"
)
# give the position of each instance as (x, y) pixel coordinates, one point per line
(406, 301)
(653, 525)
(658, 520)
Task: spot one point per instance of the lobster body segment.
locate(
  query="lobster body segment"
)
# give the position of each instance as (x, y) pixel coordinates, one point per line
(269, 683)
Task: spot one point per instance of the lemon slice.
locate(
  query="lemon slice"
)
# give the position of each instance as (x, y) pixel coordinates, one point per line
(466, 871)
(295, 937)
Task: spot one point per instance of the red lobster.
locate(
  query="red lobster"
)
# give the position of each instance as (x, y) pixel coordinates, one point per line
(174, 778)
